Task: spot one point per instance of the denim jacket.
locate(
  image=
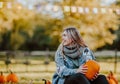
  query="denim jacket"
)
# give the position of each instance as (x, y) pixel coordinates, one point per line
(67, 66)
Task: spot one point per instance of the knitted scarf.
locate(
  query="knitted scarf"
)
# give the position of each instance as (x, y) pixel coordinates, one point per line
(72, 51)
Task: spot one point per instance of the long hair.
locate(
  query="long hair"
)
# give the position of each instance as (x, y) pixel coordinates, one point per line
(74, 35)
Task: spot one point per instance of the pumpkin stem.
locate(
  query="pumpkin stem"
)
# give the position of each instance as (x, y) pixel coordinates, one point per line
(111, 73)
(1, 73)
(10, 71)
(44, 81)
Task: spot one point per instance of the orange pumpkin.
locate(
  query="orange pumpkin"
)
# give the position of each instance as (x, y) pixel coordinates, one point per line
(111, 79)
(93, 68)
(47, 81)
(2, 78)
(12, 77)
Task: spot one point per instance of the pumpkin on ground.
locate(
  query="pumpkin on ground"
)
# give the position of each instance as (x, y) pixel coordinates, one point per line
(2, 78)
(111, 78)
(93, 68)
(47, 81)
(12, 77)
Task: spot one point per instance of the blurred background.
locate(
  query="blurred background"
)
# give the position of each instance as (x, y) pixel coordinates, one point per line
(30, 32)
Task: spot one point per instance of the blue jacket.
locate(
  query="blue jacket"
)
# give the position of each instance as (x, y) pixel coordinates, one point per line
(67, 66)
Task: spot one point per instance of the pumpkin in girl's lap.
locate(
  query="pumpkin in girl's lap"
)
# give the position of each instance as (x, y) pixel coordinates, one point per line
(93, 68)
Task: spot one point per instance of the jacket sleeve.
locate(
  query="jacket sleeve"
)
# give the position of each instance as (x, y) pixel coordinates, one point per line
(62, 70)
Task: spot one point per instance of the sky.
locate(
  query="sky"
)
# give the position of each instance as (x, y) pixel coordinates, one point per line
(27, 2)
(31, 3)
(107, 2)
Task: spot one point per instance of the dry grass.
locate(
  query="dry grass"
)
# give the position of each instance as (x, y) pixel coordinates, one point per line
(39, 70)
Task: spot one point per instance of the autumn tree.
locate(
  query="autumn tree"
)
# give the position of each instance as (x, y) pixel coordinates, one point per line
(22, 28)
(95, 28)
(15, 21)
(116, 42)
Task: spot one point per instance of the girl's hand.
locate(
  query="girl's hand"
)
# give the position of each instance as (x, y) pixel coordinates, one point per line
(82, 69)
(96, 75)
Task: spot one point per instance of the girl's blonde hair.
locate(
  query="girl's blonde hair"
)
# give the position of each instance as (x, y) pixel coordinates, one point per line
(74, 35)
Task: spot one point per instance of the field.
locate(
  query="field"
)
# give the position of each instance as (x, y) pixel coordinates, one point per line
(34, 69)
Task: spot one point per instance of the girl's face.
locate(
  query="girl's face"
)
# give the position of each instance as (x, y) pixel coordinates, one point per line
(65, 39)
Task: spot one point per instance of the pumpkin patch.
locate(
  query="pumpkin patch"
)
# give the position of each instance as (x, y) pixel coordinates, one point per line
(93, 68)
